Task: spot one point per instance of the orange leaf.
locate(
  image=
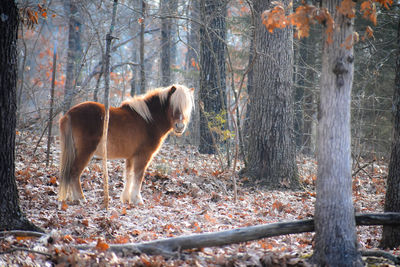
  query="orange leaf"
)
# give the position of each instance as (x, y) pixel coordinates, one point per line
(135, 232)
(68, 238)
(101, 245)
(64, 206)
(346, 8)
(208, 218)
(122, 240)
(123, 212)
(140, 20)
(53, 180)
(369, 32)
(80, 241)
(22, 238)
(114, 215)
(277, 205)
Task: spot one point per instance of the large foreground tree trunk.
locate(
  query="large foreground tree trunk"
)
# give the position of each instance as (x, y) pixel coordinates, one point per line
(335, 227)
(270, 148)
(11, 216)
(391, 234)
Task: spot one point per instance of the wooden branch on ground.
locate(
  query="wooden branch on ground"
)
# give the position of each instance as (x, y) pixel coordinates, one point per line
(172, 246)
(22, 233)
(381, 254)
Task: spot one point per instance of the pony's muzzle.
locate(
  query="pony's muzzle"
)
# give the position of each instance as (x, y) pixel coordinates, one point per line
(179, 127)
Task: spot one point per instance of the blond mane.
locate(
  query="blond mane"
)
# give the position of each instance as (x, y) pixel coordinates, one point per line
(181, 99)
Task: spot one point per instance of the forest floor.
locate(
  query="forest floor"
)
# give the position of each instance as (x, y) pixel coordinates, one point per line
(184, 193)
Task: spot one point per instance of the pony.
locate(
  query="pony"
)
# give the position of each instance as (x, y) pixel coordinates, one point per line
(136, 131)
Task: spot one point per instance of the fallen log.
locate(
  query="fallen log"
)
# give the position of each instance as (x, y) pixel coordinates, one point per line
(172, 246)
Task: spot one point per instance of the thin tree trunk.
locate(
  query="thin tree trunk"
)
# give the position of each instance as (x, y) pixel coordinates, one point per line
(53, 80)
(106, 103)
(142, 66)
(335, 232)
(391, 234)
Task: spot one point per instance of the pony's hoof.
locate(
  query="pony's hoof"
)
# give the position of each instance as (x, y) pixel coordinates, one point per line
(137, 201)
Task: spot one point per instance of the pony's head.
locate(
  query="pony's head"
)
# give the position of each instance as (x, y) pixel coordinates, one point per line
(180, 107)
(179, 100)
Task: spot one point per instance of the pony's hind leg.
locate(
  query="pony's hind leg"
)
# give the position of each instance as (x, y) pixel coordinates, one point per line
(125, 196)
(83, 157)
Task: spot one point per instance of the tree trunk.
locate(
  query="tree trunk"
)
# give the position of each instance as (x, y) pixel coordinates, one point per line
(141, 53)
(335, 232)
(165, 44)
(11, 216)
(73, 54)
(391, 234)
(192, 68)
(270, 148)
(212, 68)
(135, 29)
(166, 8)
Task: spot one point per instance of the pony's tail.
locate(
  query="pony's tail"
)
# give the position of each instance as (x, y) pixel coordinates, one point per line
(67, 157)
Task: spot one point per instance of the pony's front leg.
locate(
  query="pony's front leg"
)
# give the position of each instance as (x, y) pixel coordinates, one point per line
(125, 196)
(140, 167)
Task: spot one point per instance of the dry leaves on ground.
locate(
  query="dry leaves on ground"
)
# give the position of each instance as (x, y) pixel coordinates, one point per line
(184, 193)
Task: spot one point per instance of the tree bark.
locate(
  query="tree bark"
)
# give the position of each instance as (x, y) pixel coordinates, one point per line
(165, 43)
(135, 29)
(141, 53)
(335, 232)
(11, 217)
(391, 234)
(271, 148)
(73, 53)
(170, 246)
(212, 68)
(167, 7)
(192, 68)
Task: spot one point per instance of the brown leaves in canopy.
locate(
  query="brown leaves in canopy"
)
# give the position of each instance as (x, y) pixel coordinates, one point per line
(347, 9)
(305, 15)
(30, 16)
(275, 18)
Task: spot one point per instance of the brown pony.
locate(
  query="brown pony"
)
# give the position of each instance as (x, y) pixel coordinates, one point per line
(136, 131)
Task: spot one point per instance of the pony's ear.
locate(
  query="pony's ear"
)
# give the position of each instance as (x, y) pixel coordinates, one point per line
(171, 91)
